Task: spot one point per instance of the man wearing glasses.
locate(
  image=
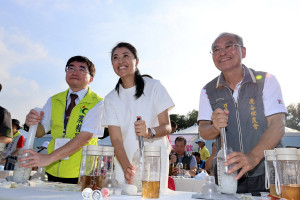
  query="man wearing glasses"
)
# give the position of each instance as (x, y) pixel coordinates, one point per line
(249, 104)
(74, 118)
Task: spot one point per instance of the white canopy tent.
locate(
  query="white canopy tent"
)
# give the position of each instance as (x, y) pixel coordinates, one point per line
(191, 134)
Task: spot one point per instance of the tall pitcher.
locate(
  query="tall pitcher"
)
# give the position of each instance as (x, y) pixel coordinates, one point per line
(288, 165)
(151, 173)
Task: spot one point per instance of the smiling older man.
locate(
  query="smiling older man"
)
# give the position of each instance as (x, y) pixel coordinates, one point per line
(249, 104)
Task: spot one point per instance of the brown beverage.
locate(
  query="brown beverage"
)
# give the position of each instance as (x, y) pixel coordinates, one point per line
(93, 182)
(273, 191)
(171, 169)
(151, 189)
(290, 192)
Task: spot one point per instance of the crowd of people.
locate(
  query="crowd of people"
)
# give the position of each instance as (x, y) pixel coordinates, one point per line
(246, 102)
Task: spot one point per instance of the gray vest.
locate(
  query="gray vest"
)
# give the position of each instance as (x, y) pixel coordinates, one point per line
(12, 147)
(247, 121)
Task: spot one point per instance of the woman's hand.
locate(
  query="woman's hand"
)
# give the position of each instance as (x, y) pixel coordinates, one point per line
(129, 173)
(141, 129)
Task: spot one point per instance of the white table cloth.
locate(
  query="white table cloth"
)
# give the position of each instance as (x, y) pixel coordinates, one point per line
(50, 194)
(188, 184)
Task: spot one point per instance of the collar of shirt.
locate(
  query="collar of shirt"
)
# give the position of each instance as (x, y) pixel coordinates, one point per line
(80, 94)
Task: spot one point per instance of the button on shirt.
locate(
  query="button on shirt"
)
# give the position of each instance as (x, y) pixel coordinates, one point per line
(91, 122)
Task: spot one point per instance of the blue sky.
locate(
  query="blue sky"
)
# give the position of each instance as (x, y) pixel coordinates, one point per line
(173, 39)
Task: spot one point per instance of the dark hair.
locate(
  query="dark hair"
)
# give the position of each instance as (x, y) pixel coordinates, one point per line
(180, 139)
(173, 124)
(16, 123)
(83, 59)
(238, 38)
(0, 87)
(196, 154)
(138, 78)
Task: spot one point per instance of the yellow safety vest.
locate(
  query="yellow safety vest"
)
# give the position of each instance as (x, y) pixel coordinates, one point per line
(69, 168)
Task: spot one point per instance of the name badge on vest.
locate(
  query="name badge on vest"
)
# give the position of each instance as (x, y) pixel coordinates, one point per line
(59, 142)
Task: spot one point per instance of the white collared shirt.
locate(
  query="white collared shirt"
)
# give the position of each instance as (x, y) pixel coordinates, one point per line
(91, 122)
(272, 99)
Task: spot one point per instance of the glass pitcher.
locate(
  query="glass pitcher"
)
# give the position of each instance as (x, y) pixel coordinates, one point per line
(91, 175)
(151, 172)
(288, 164)
(107, 171)
(270, 172)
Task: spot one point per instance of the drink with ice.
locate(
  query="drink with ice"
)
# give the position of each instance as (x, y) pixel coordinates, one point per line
(227, 182)
(22, 174)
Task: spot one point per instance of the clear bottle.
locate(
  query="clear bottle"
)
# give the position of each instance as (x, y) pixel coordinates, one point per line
(209, 190)
(227, 182)
(180, 170)
(151, 172)
(171, 169)
(40, 174)
(110, 181)
(137, 179)
(198, 169)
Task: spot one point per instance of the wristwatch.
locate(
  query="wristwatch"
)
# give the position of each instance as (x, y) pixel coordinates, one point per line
(153, 132)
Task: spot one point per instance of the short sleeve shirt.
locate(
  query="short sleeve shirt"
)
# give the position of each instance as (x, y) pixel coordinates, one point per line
(91, 122)
(272, 99)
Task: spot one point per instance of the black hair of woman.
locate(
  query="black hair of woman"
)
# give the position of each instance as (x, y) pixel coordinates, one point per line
(138, 78)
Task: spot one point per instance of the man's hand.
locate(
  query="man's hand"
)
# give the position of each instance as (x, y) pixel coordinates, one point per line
(173, 159)
(33, 117)
(141, 129)
(220, 118)
(242, 161)
(35, 159)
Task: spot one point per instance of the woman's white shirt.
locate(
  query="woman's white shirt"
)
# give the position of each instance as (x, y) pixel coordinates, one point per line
(122, 110)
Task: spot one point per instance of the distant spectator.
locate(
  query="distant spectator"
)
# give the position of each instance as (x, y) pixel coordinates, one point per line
(202, 149)
(17, 143)
(14, 147)
(181, 155)
(5, 125)
(200, 163)
(209, 161)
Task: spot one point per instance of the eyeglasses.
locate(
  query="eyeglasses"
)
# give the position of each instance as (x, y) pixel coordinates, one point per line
(227, 47)
(81, 69)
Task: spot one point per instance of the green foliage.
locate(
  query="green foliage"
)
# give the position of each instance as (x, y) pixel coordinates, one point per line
(293, 118)
(185, 121)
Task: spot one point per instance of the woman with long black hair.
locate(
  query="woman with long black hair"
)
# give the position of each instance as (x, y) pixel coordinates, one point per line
(136, 95)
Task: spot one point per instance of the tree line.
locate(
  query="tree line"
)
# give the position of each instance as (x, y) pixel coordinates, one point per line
(185, 121)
